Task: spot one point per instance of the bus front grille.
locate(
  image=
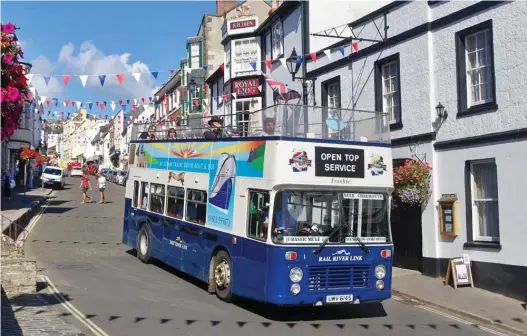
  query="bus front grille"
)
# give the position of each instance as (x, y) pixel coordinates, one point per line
(322, 278)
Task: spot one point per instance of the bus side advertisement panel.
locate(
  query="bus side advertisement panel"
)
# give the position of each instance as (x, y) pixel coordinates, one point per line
(223, 161)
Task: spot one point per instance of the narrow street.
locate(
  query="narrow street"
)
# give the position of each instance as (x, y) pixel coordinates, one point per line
(78, 247)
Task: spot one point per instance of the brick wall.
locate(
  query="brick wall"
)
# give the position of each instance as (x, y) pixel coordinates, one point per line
(18, 272)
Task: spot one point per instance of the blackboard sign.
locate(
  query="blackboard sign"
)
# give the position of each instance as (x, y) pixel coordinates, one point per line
(339, 162)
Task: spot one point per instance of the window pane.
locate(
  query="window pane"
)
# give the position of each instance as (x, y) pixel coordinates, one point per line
(196, 206)
(481, 42)
(258, 215)
(393, 70)
(472, 61)
(471, 43)
(485, 179)
(488, 218)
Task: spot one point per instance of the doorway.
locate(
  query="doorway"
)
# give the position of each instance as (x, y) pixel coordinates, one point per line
(407, 232)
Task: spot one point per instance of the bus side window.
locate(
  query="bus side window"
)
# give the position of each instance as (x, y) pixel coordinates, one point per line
(196, 206)
(136, 194)
(144, 195)
(157, 198)
(258, 214)
(175, 202)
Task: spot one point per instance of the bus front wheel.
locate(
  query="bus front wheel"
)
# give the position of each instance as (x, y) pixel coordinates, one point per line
(143, 244)
(223, 276)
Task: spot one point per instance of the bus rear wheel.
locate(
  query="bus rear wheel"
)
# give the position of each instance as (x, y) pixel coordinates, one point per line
(223, 276)
(143, 245)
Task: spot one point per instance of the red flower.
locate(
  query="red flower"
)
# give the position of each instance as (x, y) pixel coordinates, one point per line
(13, 94)
(8, 59)
(8, 28)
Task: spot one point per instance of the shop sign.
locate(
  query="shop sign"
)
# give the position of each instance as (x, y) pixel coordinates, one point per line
(246, 87)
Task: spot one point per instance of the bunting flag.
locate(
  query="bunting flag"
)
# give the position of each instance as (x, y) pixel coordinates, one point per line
(84, 80)
(65, 79)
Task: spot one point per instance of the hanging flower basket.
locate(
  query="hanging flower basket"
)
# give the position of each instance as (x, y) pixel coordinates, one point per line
(412, 182)
(27, 154)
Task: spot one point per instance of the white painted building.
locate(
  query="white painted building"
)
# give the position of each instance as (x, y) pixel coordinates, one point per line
(463, 55)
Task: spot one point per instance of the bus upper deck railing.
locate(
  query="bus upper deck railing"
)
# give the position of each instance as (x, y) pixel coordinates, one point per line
(284, 120)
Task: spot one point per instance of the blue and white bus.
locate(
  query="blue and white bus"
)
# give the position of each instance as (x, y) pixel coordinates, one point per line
(298, 217)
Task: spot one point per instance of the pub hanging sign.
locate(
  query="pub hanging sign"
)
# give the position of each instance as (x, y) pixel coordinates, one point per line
(246, 87)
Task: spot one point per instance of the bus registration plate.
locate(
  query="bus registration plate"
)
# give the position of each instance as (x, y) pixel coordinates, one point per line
(339, 298)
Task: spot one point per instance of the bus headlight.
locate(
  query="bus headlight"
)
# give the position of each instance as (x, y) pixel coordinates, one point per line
(379, 285)
(295, 289)
(296, 274)
(380, 272)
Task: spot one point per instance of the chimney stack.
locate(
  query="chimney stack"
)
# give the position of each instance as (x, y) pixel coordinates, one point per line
(222, 6)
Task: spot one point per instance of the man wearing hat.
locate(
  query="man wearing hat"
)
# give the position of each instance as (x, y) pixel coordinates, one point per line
(215, 131)
(269, 125)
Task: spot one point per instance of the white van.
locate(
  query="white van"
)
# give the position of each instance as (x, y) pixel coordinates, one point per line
(53, 177)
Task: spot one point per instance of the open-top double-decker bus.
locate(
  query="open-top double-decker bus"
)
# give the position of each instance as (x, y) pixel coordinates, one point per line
(293, 215)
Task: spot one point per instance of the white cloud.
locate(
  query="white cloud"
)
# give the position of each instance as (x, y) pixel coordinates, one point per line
(42, 66)
(91, 61)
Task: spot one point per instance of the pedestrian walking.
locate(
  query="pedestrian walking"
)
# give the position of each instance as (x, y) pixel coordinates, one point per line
(101, 180)
(84, 186)
(7, 184)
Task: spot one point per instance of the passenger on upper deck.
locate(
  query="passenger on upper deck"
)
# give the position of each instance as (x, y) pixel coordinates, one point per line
(151, 135)
(269, 129)
(171, 134)
(216, 129)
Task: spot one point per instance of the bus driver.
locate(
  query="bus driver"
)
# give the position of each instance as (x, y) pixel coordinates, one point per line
(285, 221)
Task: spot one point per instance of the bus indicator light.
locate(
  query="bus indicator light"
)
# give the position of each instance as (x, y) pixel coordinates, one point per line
(290, 255)
(233, 240)
(386, 253)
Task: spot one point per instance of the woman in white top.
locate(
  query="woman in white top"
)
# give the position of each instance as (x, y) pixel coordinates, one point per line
(101, 180)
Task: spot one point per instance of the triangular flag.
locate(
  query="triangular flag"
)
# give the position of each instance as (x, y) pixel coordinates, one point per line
(42, 99)
(112, 105)
(66, 79)
(120, 78)
(222, 67)
(259, 88)
(46, 79)
(355, 46)
(137, 76)
(328, 53)
(101, 106)
(172, 71)
(90, 105)
(101, 79)
(66, 103)
(206, 67)
(84, 79)
(97, 103)
(150, 98)
(283, 60)
(79, 104)
(341, 49)
(253, 65)
(135, 101)
(299, 59)
(29, 77)
(234, 95)
(216, 100)
(48, 103)
(120, 102)
(128, 101)
(314, 57)
(154, 74)
(269, 64)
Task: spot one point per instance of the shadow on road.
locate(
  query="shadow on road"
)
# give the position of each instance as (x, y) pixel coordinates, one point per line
(286, 314)
(58, 210)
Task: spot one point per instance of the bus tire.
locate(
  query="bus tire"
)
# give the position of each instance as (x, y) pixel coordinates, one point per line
(223, 276)
(144, 246)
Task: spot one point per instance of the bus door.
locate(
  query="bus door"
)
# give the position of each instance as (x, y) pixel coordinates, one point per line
(254, 251)
(193, 257)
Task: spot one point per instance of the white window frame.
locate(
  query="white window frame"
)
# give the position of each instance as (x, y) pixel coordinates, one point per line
(479, 69)
(476, 236)
(333, 100)
(277, 40)
(219, 90)
(246, 68)
(393, 94)
(257, 107)
(227, 63)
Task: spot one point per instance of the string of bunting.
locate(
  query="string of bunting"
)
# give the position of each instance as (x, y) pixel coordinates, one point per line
(119, 77)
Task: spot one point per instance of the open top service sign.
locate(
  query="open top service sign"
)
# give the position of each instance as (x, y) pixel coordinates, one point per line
(339, 162)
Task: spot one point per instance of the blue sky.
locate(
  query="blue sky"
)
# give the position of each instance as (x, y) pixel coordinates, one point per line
(117, 37)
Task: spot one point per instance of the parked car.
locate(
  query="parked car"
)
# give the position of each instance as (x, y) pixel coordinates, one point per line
(121, 177)
(53, 176)
(76, 171)
(114, 176)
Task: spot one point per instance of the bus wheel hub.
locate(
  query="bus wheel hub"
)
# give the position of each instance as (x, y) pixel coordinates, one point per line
(222, 274)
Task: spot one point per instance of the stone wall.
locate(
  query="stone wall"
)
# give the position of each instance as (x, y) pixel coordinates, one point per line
(18, 272)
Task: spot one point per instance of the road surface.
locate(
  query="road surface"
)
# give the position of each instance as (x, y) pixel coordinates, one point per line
(78, 247)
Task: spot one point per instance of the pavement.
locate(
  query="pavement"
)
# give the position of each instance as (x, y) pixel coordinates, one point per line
(21, 203)
(105, 290)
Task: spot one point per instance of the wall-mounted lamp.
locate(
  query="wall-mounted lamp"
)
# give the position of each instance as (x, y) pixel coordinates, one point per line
(441, 112)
